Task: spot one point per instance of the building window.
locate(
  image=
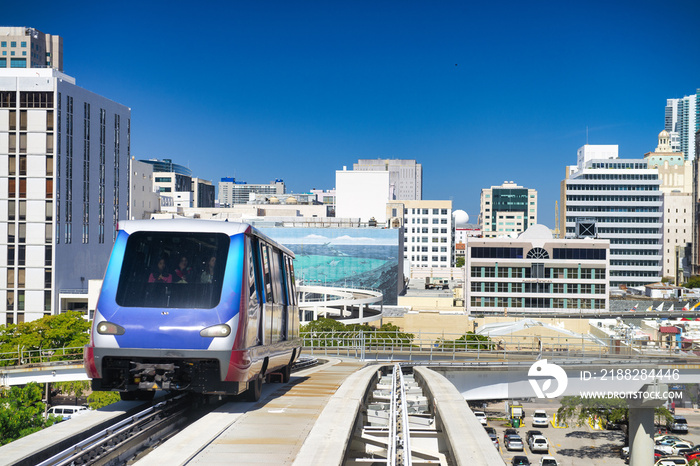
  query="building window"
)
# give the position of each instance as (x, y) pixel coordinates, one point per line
(18, 62)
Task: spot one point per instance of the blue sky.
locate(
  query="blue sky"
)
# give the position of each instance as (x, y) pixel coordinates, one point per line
(478, 93)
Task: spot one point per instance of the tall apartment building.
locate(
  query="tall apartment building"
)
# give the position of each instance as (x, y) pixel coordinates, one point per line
(22, 47)
(676, 175)
(506, 210)
(238, 192)
(405, 176)
(682, 122)
(620, 200)
(427, 228)
(64, 181)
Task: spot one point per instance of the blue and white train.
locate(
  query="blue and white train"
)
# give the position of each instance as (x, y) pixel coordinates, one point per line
(193, 305)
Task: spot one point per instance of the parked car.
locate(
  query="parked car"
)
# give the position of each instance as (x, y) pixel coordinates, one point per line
(540, 418)
(672, 447)
(481, 416)
(520, 460)
(679, 425)
(661, 438)
(693, 453)
(548, 461)
(514, 442)
(67, 411)
(492, 435)
(531, 433)
(672, 461)
(507, 432)
(539, 443)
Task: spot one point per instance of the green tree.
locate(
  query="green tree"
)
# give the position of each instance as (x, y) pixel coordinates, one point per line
(469, 340)
(67, 330)
(76, 388)
(22, 412)
(330, 332)
(97, 400)
(609, 410)
(693, 282)
(459, 262)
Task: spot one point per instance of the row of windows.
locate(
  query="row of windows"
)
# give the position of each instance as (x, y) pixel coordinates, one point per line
(579, 253)
(425, 258)
(20, 304)
(13, 43)
(618, 176)
(620, 165)
(612, 187)
(18, 188)
(18, 254)
(652, 197)
(548, 272)
(538, 303)
(35, 99)
(424, 239)
(425, 230)
(634, 252)
(425, 211)
(424, 221)
(425, 249)
(18, 277)
(629, 231)
(609, 208)
(630, 263)
(603, 220)
(524, 287)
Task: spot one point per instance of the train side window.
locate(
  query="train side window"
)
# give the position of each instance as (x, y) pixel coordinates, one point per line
(278, 278)
(291, 291)
(267, 273)
(253, 302)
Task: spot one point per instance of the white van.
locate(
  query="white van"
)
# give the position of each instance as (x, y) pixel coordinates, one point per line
(67, 411)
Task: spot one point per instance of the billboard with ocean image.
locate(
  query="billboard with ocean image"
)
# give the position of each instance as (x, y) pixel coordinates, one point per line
(344, 257)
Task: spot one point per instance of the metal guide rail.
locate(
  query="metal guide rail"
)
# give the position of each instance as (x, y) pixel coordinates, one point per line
(126, 436)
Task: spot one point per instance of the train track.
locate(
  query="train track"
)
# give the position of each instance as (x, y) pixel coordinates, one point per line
(138, 433)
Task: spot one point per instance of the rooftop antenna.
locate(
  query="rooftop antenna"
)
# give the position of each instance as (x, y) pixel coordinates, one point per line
(586, 134)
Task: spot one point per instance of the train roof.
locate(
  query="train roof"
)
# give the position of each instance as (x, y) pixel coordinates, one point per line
(196, 225)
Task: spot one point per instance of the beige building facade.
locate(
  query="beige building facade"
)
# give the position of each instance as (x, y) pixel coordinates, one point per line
(22, 47)
(676, 175)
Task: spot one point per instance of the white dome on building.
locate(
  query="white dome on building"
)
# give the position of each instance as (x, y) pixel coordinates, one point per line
(460, 218)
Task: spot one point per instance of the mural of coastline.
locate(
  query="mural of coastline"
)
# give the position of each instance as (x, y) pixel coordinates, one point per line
(345, 257)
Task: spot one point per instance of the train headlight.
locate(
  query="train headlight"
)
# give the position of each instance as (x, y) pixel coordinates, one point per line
(221, 330)
(108, 328)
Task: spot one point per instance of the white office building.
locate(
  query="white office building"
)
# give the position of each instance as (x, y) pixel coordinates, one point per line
(535, 272)
(232, 191)
(619, 200)
(361, 194)
(427, 228)
(64, 182)
(405, 176)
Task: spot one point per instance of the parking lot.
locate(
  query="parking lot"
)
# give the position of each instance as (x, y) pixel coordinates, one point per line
(575, 445)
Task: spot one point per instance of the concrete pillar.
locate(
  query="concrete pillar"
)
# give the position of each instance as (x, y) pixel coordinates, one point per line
(641, 423)
(641, 434)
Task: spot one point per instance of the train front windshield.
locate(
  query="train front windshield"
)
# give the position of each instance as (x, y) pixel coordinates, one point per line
(173, 270)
